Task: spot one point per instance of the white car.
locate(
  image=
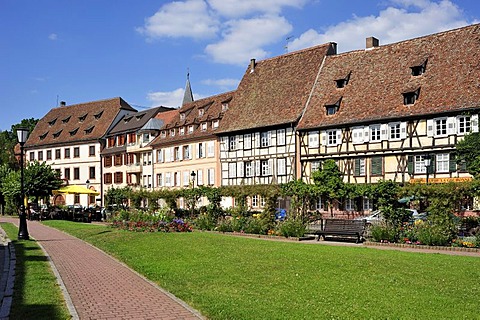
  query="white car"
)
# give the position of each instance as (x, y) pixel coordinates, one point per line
(376, 216)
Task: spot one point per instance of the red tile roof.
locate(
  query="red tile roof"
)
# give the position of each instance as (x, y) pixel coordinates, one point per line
(276, 91)
(75, 123)
(189, 115)
(379, 76)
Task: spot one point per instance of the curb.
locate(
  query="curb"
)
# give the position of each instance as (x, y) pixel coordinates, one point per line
(420, 246)
(7, 281)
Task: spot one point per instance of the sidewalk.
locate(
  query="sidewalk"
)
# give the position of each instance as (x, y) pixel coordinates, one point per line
(100, 287)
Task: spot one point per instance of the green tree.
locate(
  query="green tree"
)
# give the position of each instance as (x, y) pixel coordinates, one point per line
(301, 194)
(329, 183)
(41, 180)
(468, 152)
(8, 140)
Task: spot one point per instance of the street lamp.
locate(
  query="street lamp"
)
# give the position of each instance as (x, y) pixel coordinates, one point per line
(87, 184)
(22, 134)
(193, 174)
(427, 161)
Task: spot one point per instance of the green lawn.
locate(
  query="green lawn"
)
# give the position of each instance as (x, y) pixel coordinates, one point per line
(227, 277)
(36, 293)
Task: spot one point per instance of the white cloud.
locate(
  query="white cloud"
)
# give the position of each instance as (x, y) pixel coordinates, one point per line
(53, 36)
(226, 84)
(243, 39)
(189, 18)
(170, 98)
(404, 19)
(235, 8)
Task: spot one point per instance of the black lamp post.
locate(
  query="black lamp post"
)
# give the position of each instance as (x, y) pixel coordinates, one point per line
(427, 161)
(193, 174)
(22, 134)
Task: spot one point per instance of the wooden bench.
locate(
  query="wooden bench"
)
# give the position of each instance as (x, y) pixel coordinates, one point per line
(339, 228)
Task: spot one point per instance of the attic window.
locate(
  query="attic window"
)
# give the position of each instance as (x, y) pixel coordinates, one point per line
(66, 119)
(201, 112)
(172, 132)
(43, 136)
(224, 106)
(127, 119)
(204, 126)
(182, 131)
(342, 82)
(419, 70)
(332, 108)
(51, 123)
(410, 97)
(57, 134)
(98, 115)
(73, 132)
(163, 134)
(89, 130)
(182, 116)
(190, 129)
(140, 116)
(82, 118)
(215, 124)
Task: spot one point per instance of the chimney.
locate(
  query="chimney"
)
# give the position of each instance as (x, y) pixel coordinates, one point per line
(372, 42)
(63, 103)
(252, 65)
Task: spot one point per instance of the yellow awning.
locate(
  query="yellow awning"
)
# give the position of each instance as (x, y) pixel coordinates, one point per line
(76, 190)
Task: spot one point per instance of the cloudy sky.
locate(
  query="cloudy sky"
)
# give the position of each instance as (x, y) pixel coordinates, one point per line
(85, 50)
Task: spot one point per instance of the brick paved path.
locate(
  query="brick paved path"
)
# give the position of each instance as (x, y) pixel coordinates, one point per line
(99, 286)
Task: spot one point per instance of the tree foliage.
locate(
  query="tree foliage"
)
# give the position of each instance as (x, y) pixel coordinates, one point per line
(329, 183)
(468, 150)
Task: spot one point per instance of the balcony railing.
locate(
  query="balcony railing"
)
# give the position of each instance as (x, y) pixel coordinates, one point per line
(134, 168)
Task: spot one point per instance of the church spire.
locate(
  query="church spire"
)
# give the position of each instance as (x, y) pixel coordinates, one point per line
(188, 95)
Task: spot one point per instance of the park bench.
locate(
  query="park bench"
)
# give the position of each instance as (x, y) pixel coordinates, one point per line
(338, 228)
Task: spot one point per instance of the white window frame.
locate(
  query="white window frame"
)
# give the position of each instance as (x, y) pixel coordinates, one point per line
(366, 204)
(349, 204)
(442, 162)
(281, 137)
(440, 127)
(247, 141)
(265, 139)
(211, 149)
(211, 176)
(160, 179)
(190, 129)
(357, 135)
(332, 137)
(232, 143)
(249, 169)
(314, 166)
(160, 155)
(419, 164)
(281, 166)
(394, 131)
(464, 124)
(265, 168)
(375, 133)
(204, 126)
(255, 201)
(313, 139)
(199, 177)
(232, 169)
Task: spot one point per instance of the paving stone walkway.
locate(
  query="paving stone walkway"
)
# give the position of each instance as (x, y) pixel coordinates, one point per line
(101, 287)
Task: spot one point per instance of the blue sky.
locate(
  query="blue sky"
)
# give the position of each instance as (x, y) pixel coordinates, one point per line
(85, 50)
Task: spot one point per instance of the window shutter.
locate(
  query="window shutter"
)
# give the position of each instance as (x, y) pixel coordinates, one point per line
(224, 144)
(323, 135)
(452, 163)
(197, 151)
(257, 139)
(339, 136)
(403, 130)
(281, 137)
(281, 170)
(180, 153)
(200, 177)
(172, 155)
(451, 121)
(432, 168)
(377, 166)
(357, 167)
(366, 134)
(313, 139)
(240, 169)
(410, 165)
(270, 166)
(269, 137)
(160, 155)
(167, 155)
(429, 127)
(190, 151)
(474, 122)
(257, 168)
(384, 131)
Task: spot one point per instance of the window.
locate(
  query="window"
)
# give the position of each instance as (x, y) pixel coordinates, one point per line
(168, 179)
(332, 137)
(118, 160)
(349, 205)
(76, 173)
(265, 139)
(91, 173)
(331, 109)
(367, 204)
(121, 140)
(190, 129)
(375, 133)
(67, 153)
(76, 152)
(49, 154)
(182, 131)
(342, 82)
(211, 176)
(91, 151)
(360, 167)
(314, 166)
(82, 118)
(132, 138)
(201, 112)
(232, 170)
(313, 139)
(204, 126)
(186, 178)
(73, 132)
(318, 205)
(376, 166)
(89, 130)
(357, 135)
(66, 173)
(442, 162)
(464, 124)
(182, 116)
(118, 177)
(57, 154)
(232, 143)
(200, 150)
(410, 97)
(255, 201)
(419, 162)
(40, 155)
(159, 179)
(215, 124)
(107, 178)
(176, 152)
(281, 137)
(186, 152)
(419, 70)
(146, 137)
(281, 167)
(394, 131)
(248, 169)
(111, 142)
(265, 168)
(32, 156)
(200, 177)
(160, 155)
(247, 141)
(440, 126)
(172, 132)
(107, 161)
(176, 179)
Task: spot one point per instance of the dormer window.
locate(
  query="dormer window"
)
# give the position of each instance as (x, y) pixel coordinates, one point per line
(89, 130)
(342, 82)
(66, 119)
(224, 106)
(182, 131)
(410, 97)
(51, 123)
(201, 112)
(127, 119)
(172, 132)
(182, 116)
(140, 116)
(190, 129)
(215, 124)
(73, 132)
(332, 108)
(204, 126)
(57, 134)
(82, 118)
(163, 134)
(43, 136)
(98, 115)
(419, 69)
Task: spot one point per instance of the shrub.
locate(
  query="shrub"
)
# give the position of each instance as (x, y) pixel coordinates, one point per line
(255, 226)
(434, 234)
(383, 233)
(204, 222)
(225, 225)
(291, 228)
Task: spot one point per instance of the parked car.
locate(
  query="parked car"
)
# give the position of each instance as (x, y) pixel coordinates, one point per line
(376, 216)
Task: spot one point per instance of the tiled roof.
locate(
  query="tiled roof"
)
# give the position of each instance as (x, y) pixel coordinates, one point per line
(379, 77)
(189, 115)
(135, 121)
(276, 91)
(74, 123)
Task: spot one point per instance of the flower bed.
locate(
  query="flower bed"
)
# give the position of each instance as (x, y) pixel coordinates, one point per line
(176, 225)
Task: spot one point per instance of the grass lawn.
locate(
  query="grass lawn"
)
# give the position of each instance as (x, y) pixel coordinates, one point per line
(36, 294)
(226, 277)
